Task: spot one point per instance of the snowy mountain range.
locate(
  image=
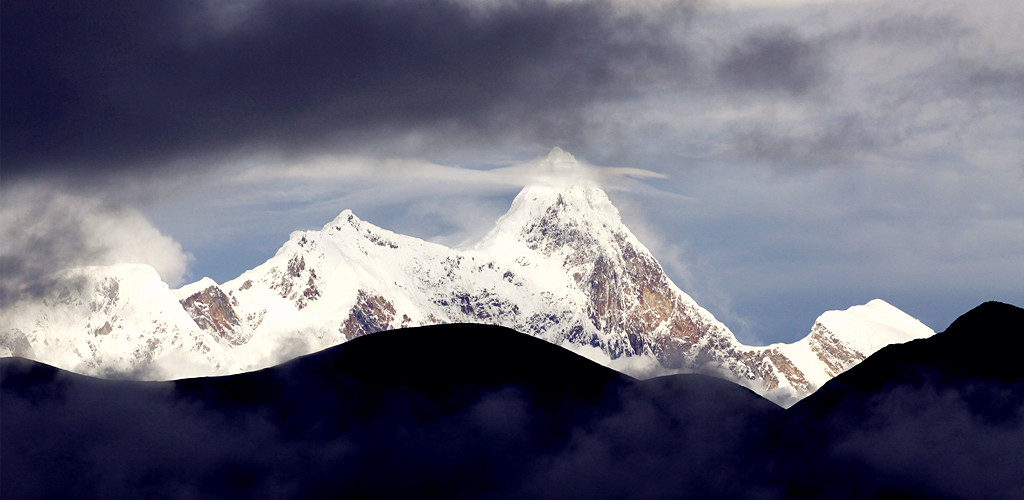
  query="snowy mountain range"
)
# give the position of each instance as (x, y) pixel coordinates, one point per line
(559, 265)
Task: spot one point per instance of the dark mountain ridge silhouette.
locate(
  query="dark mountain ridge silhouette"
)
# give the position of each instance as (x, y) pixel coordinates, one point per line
(941, 417)
(471, 411)
(986, 344)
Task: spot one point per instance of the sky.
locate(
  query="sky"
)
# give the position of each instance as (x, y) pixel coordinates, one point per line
(779, 158)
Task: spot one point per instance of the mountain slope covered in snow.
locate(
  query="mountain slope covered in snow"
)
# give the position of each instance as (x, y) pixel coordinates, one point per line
(559, 265)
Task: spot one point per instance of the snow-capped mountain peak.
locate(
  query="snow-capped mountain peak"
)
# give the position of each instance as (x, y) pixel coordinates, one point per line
(872, 326)
(560, 265)
(561, 201)
(559, 169)
(553, 215)
(559, 159)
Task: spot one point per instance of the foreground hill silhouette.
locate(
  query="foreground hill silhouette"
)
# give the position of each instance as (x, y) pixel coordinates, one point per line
(471, 411)
(980, 350)
(440, 411)
(450, 366)
(941, 417)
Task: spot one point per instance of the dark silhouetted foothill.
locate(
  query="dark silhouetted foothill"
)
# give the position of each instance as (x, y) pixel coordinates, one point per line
(475, 411)
(941, 417)
(983, 347)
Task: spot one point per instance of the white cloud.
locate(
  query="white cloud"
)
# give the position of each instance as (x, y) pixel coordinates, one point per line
(322, 168)
(43, 230)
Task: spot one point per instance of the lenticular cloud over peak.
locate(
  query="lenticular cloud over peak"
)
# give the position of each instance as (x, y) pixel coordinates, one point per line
(560, 159)
(560, 169)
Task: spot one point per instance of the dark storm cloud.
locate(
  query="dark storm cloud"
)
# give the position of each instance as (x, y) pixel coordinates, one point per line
(30, 255)
(903, 29)
(773, 61)
(1001, 81)
(826, 144)
(89, 85)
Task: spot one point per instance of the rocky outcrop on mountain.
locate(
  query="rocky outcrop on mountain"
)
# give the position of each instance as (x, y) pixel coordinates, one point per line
(833, 353)
(371, 314)
(211, 309)
(119, 321)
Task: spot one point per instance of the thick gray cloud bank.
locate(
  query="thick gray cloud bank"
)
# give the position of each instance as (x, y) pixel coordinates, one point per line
(816, 154)
(93, 86)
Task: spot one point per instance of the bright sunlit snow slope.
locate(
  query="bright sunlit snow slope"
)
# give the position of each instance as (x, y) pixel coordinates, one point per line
(119, 321)
(559, 265)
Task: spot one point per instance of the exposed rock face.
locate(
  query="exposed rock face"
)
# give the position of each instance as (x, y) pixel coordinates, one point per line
(104, 330)
(211, 310)
(295, 282)
(787, 369)
(371, 314)
(833, 353)
(628, 302)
